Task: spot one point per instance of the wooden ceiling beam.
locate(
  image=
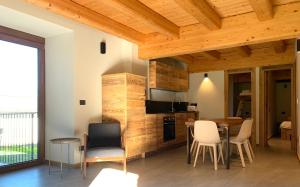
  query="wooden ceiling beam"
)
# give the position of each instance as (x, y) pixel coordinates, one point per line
(279, 46)
(202, 11)
(74, 11)
(263, 9)
(244, 51)
(236, 31)
(257, 59)
(215, 55)
(188, 59)
(160, 23)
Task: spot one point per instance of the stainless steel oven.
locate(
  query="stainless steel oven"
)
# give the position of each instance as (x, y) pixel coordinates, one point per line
(169, 128)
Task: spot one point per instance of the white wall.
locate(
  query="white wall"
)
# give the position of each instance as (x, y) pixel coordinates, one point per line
(207, 93)
(60, 115)
(139, 66)
(89, 67)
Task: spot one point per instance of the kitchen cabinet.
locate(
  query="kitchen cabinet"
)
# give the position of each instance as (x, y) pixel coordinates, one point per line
(123, 100)
(167, 77)
(180, 119)
(180, 128)
(155, 133)
(151, 133)
(154, 126)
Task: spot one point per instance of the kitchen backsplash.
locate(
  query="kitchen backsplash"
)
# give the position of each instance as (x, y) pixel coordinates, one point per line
(153, 107)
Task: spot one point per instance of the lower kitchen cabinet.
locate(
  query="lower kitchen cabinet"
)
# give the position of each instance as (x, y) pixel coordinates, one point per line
(180, 128)
(154, 127)
(151, 133)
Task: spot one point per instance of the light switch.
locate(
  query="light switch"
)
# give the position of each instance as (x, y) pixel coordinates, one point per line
(82, 102)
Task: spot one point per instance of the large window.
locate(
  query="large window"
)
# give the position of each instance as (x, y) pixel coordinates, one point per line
(21, 99)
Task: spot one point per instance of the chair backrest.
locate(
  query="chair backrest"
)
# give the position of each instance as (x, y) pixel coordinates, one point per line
(206, 132)
(246, 129)
(104, 135)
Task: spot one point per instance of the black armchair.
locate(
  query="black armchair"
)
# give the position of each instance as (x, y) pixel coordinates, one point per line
(104, 143)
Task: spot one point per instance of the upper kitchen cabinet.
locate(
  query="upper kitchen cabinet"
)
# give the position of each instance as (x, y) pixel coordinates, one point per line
(167, 77)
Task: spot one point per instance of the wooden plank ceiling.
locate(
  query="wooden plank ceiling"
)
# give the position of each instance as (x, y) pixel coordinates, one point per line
(270, 53)
(243, 51)
(188, 29)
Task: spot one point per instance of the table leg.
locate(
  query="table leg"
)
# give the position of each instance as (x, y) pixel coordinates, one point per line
(188, 144)
(228, 148)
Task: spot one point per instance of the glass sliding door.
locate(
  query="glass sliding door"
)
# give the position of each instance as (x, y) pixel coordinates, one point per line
(21, 102)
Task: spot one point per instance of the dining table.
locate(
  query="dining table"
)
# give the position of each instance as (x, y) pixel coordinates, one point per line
(223, 123)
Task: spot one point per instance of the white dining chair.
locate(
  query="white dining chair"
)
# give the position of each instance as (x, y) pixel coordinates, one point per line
(206, 135)
(194, 149)
(234, 130)
(251, 150)
(243, 138)
(195, 145)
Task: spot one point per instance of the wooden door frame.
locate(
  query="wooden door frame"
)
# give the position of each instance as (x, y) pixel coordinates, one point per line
(262, 105)
(252, 71)
(18, 37)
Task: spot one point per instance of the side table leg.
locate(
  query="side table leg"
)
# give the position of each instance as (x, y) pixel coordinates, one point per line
(49, 164)
(80, 152)
(68, 156)
(61, 160)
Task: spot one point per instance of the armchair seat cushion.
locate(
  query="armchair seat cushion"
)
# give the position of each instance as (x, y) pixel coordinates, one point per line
(105, 152)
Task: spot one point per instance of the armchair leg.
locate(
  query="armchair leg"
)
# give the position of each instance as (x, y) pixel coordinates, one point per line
(84, 168)
(124, 165)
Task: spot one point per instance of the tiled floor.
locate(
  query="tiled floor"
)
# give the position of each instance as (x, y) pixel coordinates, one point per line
(274, 166)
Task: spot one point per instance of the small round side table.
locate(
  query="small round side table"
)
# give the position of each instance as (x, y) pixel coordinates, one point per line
(61, 142)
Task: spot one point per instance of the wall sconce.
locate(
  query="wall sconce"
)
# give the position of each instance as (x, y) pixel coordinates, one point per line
(205, 75)
(102, 47)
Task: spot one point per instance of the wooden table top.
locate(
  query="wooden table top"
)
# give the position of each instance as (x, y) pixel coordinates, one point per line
(224, 122)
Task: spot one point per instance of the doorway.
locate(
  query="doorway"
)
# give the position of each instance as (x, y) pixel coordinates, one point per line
(21, 99)
(240, 97)
(277, 107)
